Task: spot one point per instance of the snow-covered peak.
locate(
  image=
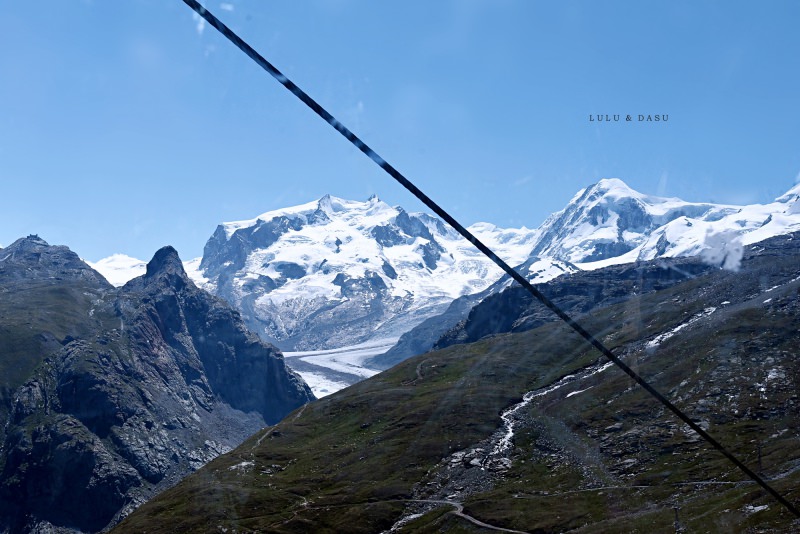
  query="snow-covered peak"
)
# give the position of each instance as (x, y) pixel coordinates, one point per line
(288, 269)
(614, 188)
(609, 190)
(790, 199)
(291, 212)
(118, 269)
(495, 237)
(611, 224)
(328, 205)
(609, 219)
(790, 195)
(616, 193)
(354, 238)
(331, 205)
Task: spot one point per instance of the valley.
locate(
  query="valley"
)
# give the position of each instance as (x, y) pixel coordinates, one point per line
(448, 399)
(328, 371)
(530, 431)
(337, 273)
(420, 267)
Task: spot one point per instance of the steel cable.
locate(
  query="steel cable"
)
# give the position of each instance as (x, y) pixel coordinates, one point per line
(405, 182)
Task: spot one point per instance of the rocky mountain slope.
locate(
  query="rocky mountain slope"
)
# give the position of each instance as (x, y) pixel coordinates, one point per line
(425, 336)
(514, 310)
(533, 431)
(110, 395)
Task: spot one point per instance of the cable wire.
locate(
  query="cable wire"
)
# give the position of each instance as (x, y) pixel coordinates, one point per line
(405, 182)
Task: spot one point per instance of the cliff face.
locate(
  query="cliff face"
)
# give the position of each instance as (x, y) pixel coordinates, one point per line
(157, 379)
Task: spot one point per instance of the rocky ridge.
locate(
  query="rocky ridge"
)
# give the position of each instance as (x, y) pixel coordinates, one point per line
(143, 385)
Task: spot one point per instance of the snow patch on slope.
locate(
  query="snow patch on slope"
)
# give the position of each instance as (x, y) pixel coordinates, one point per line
(659, 339)
(192, 268)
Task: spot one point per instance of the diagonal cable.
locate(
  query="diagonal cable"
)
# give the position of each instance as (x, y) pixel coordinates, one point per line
(405, 182)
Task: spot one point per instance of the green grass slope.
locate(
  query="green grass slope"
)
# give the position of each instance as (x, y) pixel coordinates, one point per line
(592, 452)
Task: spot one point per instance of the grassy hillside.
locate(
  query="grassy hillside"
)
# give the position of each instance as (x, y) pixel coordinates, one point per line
(411, 448)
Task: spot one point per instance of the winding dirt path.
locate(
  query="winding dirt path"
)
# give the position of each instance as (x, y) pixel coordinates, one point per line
(459, 511)
(272, 428)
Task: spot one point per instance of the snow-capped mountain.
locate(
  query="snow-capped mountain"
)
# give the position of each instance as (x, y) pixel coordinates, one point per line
(119, 268)
(336, 272)
(610, 223)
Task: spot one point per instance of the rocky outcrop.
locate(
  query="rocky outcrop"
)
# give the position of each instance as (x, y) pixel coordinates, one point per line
(163, 378)
(515, 310)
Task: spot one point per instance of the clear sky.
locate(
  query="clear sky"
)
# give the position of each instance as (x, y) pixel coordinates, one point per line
(128, 125)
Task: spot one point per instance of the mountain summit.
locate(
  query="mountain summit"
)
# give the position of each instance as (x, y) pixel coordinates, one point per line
(609, 219)
(31, 257)
(610, 223)
(165, 261)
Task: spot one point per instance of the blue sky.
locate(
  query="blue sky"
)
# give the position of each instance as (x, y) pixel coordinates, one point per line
(125, 126)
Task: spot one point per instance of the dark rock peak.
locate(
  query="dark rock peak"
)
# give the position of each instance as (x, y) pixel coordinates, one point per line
(389, 270)
(434, 222)
(30, 243)
(413, 226)
(165, 261)
(164, 274)
(353, 287)
(32, 258)
(123, 406)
